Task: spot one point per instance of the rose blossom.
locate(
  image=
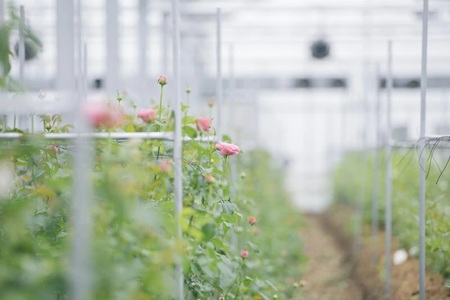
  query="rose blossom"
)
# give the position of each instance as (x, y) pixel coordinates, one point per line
(252, 220)
(103, 114)
(203, 124)
(54, 148)
(244, 254)
(165, 166)
(162, 79)
(227, 149)
(147, 114)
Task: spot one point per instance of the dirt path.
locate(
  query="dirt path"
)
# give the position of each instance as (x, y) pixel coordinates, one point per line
(327, 276)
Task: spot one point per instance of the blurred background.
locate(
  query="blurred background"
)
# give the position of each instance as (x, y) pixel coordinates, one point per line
(302, 79)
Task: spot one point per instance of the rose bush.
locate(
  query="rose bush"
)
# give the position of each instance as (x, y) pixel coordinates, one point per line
(134, 244)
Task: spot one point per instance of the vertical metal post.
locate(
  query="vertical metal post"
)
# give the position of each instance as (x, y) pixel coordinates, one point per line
(2, 11)
(2, 19)
(219, 82)
(375, 211)
(177, 155)
(112, 46)
(388, 210)
(143, 65)
(422, 187)
(65, 47)
(81, 276)
(232, 85)
(21, 43)
(22, 118)
(165, 43)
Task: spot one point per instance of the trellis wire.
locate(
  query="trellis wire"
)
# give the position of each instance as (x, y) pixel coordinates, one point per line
(177, 155)
(422, 187)
(388, 178)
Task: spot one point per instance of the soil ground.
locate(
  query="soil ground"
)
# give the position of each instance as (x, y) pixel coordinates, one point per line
(334, 273)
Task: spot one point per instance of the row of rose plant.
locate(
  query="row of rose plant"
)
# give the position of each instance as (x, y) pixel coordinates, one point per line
(228, 251)
(354, 182)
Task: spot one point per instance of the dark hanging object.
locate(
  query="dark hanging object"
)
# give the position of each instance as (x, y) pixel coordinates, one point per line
(320, 49)
(31, 49)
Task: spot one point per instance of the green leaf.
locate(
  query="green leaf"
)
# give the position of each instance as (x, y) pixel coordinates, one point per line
(190, 132)
(209, 231)
(228, 207)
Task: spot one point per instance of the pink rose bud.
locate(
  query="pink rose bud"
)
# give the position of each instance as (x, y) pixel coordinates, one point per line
(227, 149)
(54, 148)
(147, 114)
(244, 254)
(165, 166)
(209, 179)
(252, 220)
(203, 124)
(162, 79)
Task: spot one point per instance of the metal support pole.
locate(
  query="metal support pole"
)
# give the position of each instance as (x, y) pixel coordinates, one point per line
(21, 43)
(388, 210)
(219, 81)
(2, 19)
(65, 47)
(81, 279)
(112, 44)
(232, 87)
(375, 208)
(143, 65)
(22, 119)
(165, 43)
(422, 187)
(177, 155)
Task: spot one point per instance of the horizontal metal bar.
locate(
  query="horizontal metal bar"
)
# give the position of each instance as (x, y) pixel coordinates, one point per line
(168, 136)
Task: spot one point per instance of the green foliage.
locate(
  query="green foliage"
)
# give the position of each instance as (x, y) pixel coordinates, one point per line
(34, 44)
(353, 182)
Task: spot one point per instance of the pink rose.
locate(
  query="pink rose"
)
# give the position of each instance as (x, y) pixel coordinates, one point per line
(162, 80)
(203, 124)
(147, 114)
(101, 114)
(252, 220)
(227, 149)
(165, 166)
(244, 254)
(54, 148)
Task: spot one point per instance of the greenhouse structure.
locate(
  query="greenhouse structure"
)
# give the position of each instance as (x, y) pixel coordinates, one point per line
(224, 149)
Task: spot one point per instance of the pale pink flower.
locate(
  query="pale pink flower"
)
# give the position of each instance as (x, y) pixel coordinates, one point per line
(252, 220)
(162, 80)
(101, 114)
(209, 178)
(148, 114)
(256, 230)
(203, 124)
(244, 254)
(165, 166)
(227, 149)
